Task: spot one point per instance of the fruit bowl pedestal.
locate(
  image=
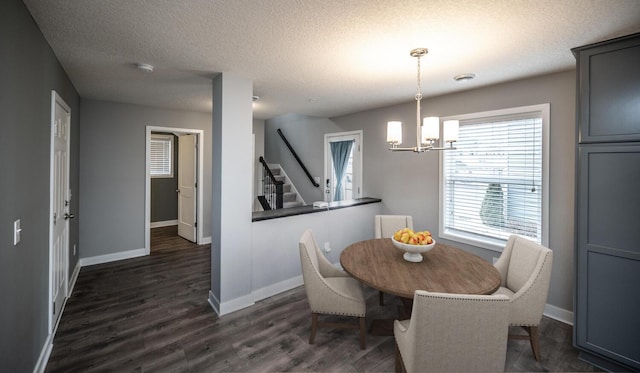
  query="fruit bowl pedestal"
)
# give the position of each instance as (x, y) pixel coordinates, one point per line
(413, 253)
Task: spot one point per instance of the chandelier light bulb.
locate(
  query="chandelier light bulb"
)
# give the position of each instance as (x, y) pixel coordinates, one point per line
(394, 132)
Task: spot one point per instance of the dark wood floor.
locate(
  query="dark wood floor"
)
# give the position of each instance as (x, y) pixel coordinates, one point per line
(151, 314)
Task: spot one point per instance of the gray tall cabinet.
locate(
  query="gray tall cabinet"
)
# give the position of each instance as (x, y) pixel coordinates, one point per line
(607, 286)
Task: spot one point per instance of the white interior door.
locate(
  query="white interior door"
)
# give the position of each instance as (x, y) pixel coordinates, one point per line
(60, 200)
(187, 183)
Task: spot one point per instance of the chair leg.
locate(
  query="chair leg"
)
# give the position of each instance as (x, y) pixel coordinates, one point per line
(533, 338)
(381, 296)
(314, 327)
(363, 343)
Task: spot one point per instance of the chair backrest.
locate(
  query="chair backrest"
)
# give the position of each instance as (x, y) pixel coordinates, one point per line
(387, 225)
(457, 333)
(522, 261)
(525, 267)
(308, 247)
(314, 265)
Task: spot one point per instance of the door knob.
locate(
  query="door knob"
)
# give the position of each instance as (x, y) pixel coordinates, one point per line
(68, 216)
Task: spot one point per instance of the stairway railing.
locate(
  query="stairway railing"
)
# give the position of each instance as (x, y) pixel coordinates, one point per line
(295, 155)
(272, 189)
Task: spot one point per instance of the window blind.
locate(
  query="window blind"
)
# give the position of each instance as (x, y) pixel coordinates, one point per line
(492, 182)
(161, 160)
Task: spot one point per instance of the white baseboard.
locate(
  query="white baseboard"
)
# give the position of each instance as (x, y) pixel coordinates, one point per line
(113, 257)
(43, 359)
(277, 288)
(558, 313)
(74, 278)
(239, 303)
(231, 306)
(214, 303)
(206, 240)
(166, 223)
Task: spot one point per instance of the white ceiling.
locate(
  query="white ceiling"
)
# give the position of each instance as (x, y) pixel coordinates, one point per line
(316, 57)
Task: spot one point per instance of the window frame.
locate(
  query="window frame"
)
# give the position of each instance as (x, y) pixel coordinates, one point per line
(496, 244)
(166, 138)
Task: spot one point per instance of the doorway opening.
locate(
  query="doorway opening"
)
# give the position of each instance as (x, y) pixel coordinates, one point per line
(189, 191)
(343, 166)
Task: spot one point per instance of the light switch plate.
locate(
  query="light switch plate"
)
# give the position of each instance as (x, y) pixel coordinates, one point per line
(16, 232)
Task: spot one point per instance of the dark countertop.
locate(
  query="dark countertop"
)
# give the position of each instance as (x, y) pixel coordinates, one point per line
(309, 209)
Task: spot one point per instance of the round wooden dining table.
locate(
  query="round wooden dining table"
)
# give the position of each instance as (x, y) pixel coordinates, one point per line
(445, 269)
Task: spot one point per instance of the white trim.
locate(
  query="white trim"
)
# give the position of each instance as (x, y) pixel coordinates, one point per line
(147, 180)
(559, 314)
(166, 223)
(45, 353)
(43, 359)
(56, 99)
(214, 303)
(357, 175)
(74, 278)
(277, 288)
(236, 304)
(99, 259)
(544, 110)
(206, 240)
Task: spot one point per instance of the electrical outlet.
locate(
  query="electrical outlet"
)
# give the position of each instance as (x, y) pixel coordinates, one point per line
(327, 247)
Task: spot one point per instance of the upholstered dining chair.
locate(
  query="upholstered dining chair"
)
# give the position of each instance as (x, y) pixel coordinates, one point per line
(453, 333)
(386, 226)
(525, 267)
(330, 290)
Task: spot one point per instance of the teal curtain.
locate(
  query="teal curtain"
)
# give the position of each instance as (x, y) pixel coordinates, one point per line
(340, 151)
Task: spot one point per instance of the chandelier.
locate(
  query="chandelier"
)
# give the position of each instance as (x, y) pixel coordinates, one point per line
(427, 136)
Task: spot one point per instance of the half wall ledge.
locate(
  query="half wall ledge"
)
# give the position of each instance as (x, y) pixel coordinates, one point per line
(309, 209)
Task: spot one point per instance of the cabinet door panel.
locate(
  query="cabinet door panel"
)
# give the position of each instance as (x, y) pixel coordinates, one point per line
(609, 97)
(613, 182)
(613, 307)
(607, 305)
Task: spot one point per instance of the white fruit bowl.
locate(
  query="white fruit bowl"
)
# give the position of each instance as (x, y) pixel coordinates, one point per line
(413, 253)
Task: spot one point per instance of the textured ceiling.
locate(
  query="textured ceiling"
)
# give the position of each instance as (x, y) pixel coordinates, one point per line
(316, 57)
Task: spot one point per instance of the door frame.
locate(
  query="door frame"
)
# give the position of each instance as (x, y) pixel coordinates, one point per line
(57, 99)
(147, 181)
(357, 156)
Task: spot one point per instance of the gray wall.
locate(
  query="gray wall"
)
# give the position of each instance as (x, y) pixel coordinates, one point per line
(28, 71)
(112, 170)
(164, 200)
(306, 136)
(386, 174)
(392, 176)
(232, 192)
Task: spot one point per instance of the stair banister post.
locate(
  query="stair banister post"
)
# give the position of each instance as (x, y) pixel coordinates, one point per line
(279, 194)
